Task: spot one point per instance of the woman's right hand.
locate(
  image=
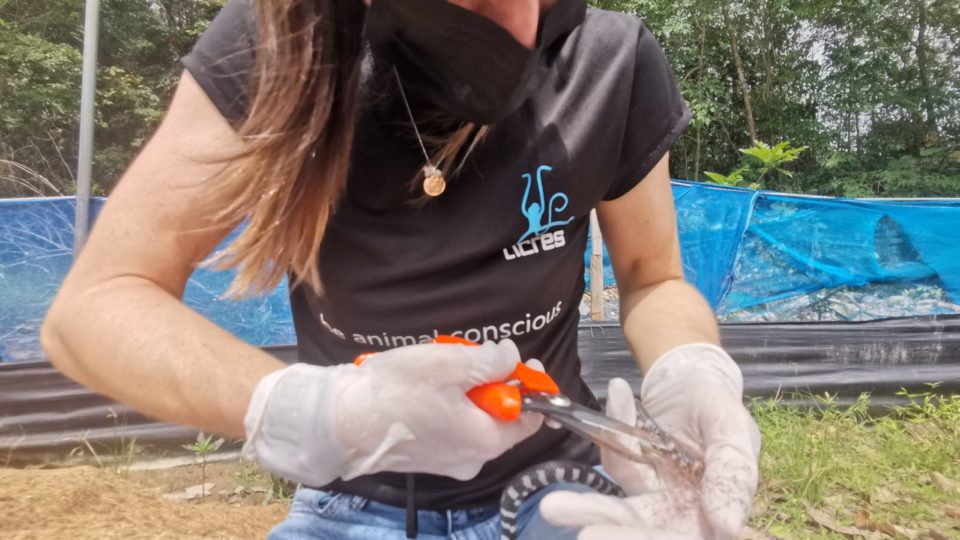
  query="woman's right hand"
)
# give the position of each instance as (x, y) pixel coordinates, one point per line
(404, 410)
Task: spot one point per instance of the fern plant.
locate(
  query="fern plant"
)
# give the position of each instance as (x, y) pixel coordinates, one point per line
(772, 158)
(734, 179)
(767, 161)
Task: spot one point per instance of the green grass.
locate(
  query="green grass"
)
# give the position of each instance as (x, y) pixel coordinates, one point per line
(841, 461)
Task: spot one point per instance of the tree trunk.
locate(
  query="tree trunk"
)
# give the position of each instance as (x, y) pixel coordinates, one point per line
(768, 53)
(857, 133)
(740, 76)
(922, 65)
(696, 161)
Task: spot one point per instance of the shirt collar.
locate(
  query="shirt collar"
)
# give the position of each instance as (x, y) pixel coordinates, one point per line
(560, 20)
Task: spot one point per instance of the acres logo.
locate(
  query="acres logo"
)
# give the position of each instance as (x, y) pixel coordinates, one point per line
(540, 235)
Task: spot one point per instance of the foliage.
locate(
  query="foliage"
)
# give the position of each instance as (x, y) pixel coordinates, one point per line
(933, 172)
(893, 464)
(202, 447)
(37, 117)
(772, 158)
(141, 42)
(118, 457)
(281, 489)
(764, 168)
(930, 406)
(876, 104)
(881, 92)
(733, 179)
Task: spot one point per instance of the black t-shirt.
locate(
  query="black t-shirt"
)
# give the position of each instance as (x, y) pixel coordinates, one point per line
(500, 253)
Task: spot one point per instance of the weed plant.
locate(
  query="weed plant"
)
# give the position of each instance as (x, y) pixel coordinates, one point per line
(118, 456)
(894, 465)
(203, 446)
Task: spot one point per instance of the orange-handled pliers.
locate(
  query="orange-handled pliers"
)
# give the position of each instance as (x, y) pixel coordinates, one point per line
(502, 400)
(527, 389)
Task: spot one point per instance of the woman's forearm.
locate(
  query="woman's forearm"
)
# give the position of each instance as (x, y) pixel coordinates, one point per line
(131, 340)
(663, 316)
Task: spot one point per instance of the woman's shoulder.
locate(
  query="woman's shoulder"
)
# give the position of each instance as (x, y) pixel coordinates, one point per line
(607, 41)
(612, 20)
(611, 28)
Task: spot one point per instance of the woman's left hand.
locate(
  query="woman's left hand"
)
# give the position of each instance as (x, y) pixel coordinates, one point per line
(695, 393)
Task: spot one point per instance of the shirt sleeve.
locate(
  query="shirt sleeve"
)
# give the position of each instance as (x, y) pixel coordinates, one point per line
(223, 59)
(656, 117)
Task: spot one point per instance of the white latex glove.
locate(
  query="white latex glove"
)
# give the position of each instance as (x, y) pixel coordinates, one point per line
(694, 393)
(403, 410)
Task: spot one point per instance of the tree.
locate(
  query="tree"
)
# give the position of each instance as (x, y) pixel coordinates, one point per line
(868, 95)
(141, 42)
(877, 103)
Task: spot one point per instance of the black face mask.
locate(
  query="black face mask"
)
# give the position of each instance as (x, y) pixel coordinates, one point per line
(465, 64)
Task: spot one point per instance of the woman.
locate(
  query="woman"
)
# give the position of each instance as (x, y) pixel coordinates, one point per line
(418, 167)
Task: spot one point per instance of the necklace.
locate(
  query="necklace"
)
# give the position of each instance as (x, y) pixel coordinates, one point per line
(434, 183)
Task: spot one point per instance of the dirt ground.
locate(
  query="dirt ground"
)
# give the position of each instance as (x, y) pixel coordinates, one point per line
(243, 502)
(100, 503)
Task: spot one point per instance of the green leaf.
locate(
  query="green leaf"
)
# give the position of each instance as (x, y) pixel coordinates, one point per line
(716, 177)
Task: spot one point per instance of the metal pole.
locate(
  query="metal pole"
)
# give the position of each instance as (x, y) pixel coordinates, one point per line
(596, 268)
(88, 95)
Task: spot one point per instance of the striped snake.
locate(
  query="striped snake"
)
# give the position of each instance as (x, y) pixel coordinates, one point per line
(543, 475)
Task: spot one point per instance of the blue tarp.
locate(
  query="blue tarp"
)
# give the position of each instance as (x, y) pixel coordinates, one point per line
(747, 251)
(711, 223)
(36, 250)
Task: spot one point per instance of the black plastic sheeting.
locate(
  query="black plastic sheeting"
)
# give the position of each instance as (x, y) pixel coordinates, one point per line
(45, 416)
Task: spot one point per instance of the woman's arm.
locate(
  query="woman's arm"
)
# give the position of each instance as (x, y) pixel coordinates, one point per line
(691, 388)
(659, 310)
(117, 324)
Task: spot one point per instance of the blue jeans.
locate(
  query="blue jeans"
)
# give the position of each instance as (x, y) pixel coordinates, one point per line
(316, 515)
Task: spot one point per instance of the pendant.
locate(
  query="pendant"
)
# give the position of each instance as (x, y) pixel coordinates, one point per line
(433, 182)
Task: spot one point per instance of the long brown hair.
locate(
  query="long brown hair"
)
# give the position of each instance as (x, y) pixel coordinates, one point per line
(297, 136)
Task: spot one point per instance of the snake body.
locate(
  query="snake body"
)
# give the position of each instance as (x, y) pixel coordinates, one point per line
(543, 475)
